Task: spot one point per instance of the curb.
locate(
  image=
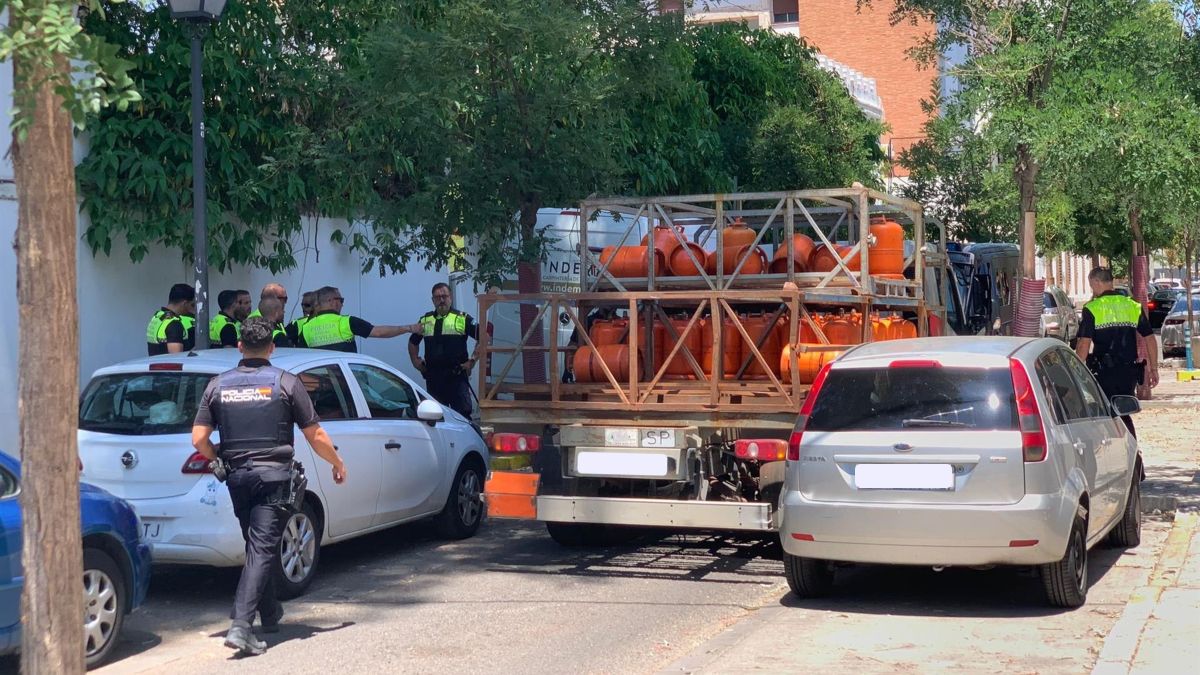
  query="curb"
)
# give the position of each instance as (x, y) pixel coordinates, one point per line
(1168, 404)
(716, 647)
(1121, 645)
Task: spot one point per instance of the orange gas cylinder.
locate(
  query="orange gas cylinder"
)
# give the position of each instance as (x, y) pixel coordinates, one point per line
(680, 263)
(608, 331)
(680, 367)
(588, 368)
(822, 259)
(808, 363)
(660, 347)
(664, 239)
(807, 334)
(887, 248)
(802, 247)
(756, 326)
(632, 261)
(731, 341)
(841, 331)
(737, 234)
(756, 260)
(902, 329)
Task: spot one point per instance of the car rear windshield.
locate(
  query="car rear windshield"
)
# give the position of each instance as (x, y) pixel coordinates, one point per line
(873, 399)
(142, 404)
(1181, 305)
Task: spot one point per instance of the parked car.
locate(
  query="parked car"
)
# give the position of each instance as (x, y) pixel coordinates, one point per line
(1160, 305)
(1059, 318)
(116, 565)
(1173, 337)
(962, 451)
(407, 457)
(1166, 283)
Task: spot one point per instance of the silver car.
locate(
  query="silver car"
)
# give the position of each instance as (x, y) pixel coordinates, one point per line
(1173, 338)
(1059, 319)
(966, 451)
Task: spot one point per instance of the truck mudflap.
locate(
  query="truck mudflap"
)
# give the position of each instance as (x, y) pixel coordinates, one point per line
(748, 516)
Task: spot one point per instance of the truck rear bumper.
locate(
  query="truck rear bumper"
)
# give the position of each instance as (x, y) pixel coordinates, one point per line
(751, 516)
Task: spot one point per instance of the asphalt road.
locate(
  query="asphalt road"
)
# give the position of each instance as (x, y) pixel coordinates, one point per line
(508, 600)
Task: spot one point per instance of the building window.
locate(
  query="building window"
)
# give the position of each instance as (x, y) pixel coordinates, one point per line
(786, 11)
(665, 6)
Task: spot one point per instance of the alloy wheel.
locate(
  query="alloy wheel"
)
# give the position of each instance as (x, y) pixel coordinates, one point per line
(100, 610)
(299, 547)
(469, 505)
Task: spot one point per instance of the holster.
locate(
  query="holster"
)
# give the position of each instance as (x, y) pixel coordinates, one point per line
(220, 469)
(291, 495)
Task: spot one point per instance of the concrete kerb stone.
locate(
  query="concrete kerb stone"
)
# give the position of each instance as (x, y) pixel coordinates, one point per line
(1122, 642)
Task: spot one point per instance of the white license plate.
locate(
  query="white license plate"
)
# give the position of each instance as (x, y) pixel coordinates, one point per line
(621, 464)
(904, 477)
(640, 438)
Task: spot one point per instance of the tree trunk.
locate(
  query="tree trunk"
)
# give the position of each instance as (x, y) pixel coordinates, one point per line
(529, 280)
(1026, 172)
(1135, 226)
(48, 383)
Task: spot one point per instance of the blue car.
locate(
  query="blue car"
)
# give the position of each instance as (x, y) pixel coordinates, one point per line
(116, 564)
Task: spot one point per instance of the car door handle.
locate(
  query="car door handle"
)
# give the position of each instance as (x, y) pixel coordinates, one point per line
(1079, 446)
(391, 445)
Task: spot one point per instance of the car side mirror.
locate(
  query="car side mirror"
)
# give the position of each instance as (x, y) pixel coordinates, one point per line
(1125, 405)
(432, 412)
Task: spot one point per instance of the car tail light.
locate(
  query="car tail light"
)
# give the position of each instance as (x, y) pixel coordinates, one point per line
(1029, 417)
(915, 363)
(761, 449)
(1150, 304)
(166, 366)
(196, 463)
(516, 443)
(793, 450)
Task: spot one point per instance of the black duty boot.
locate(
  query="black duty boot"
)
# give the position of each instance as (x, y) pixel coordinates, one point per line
(240, 638)
(270, 620)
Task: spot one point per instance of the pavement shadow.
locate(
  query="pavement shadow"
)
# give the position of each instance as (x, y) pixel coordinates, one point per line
(1171, 480)
(1000, 592)
(133, 642)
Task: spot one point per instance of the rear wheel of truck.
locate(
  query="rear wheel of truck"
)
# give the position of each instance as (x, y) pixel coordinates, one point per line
(770, 482)
(808, 577)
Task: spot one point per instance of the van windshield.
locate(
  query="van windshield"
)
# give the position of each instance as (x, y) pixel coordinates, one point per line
(874, 399)
(142, 404)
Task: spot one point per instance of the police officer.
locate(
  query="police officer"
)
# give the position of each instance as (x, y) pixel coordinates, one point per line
(272, 310)
(1108, 329)
(224, 328)
(172, 329)
(446, 365)
(330, 329)
(308, 306)
(255, 406)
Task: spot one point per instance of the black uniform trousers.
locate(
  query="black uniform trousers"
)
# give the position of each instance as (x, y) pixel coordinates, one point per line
(254, 491)
(1120, 381)
(451, 389)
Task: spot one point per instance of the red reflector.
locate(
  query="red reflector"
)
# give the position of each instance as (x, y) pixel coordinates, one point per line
(516, 443)
(166, 366)
(196, 463)
(802, 537)
(1022, 543)
(915, 363)
(760, 449)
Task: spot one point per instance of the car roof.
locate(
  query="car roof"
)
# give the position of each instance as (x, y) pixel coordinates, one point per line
(220, 360)
(968, 350)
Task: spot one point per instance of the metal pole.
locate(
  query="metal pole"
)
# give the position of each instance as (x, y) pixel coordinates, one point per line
(199, 222)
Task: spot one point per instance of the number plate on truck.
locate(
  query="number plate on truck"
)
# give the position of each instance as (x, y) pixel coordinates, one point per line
(639, 438)
(633, 464)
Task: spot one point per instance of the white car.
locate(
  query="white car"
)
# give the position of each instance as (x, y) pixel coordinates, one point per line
(407, 457)
(965, 451)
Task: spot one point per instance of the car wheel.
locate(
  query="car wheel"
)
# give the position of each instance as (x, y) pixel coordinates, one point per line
(1066, 581)
(103, 605)
(299, 552)
(1128, 532)
(463, 512)
(808, 577)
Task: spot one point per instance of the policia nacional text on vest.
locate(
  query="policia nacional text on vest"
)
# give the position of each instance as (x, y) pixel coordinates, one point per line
(156, 331)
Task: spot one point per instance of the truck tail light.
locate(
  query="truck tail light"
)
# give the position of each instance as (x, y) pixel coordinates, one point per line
(793, 451)
(516, 443)
(196, 463)
(760, 449)
(1029, 417)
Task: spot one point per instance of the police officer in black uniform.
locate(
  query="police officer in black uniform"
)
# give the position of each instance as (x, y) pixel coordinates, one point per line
(255, 407)
(446, 365)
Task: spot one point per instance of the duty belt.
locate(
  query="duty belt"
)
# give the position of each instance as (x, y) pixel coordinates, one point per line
(260, 464)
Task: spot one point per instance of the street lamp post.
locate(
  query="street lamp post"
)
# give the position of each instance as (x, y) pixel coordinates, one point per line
(197, 16)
